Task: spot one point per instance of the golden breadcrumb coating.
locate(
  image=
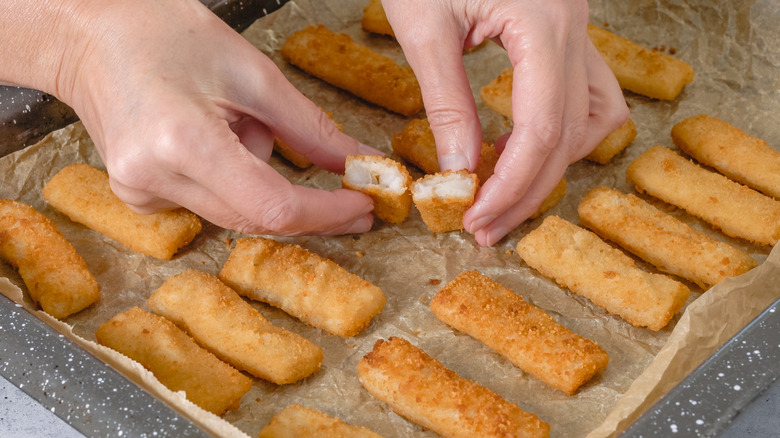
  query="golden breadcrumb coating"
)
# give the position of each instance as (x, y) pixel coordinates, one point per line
(614, 143)
(443, 198)
(296, 421)
(375, 20)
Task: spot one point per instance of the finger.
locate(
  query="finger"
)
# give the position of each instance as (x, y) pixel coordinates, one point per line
(255, 136)
(608, 109)
(140, 201)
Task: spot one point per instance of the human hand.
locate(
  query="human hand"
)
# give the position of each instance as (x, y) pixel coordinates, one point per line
(565, 99)
(183, 111)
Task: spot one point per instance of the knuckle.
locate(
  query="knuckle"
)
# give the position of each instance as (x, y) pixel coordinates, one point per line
(281, 216)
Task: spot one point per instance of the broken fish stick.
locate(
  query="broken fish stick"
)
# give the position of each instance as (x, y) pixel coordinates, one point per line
(639, 69)
(296, 421)
(56, 277)
(423, 390)
(338, 60)
(733, 152)
(385, 180)
(175, 359)
(737, 210)
(375, 20)
(223, 323)
(660, 238)
(497, 95)
(443, 198)
(523, 333)
(579, 260)
(311, 288)
(82, 193)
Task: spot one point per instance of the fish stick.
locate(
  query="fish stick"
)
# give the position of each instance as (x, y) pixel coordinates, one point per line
(639, 69)
(733, 152)
(303, 284)
(497, 95)
(736, 209)
(82, 193)
(175, 359)
(579, 260)
(423, 390)
(375, 20)
(385, 180)
(55, 274)
(223, 323)
(297, 421)
(661, 239)
(338, 60)
(519, 331)
(443, 198)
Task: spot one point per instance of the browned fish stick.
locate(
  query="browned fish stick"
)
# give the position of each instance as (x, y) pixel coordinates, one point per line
(223, 323)
(443, 198)
(735, 153)
(55, 275)
(423, 390)
(736, 209)
(385, 180)
(375, 20)
(175, 359)
(82, 193)
(639, 69)
(303, 284)
(519, 331)
(614, 143)
(661, 239)
(296, 421)
(579, 260)
(338, 60)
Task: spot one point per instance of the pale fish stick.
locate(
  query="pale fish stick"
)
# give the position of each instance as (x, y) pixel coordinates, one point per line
(311, 288)
(661, 239)
(523, 333)
(223, 323)
(175, 359)
(733, 152)
(82, 193)
(385, 180)
(423, 390)
(639, 69)
(443, 198)
(579, 260)
(338, 60)
(736, 209)
(296, 421)
(55, 275)
(497, 95)
(375, 20)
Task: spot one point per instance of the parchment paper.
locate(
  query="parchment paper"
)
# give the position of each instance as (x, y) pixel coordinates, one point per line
(734, 51)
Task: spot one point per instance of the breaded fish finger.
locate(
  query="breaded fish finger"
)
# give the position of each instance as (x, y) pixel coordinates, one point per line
(736, 209)
(385, 180)
(55, 275)
(338, 60)
(735, 153)
(175, 359)
(497, 95)
(579, 260)
(303, 284)
(661, 239)
(443, 198)
(375, 20)
(223, 323)
(82, 193)
(423, 390)
(519, 331)
(296, 421)
(639, 69)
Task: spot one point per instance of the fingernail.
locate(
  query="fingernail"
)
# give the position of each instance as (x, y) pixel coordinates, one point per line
(365, 149)
(493, 236)
(361, 225)
(454, 162)
(478, 224)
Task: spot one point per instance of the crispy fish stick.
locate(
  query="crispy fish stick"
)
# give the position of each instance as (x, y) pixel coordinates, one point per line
(175, 359)
(385, 180)
(443, 198)
(338, 60)
(736, 209)
(519, 331)
(297, 421)
(375, 20)
(661, 239)
(639, 69)
(423, 390)
(497, 95)
(55, 275)
(579, 260)
(733, 152)
(223, 323)
(303, 284)
(82, 193)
